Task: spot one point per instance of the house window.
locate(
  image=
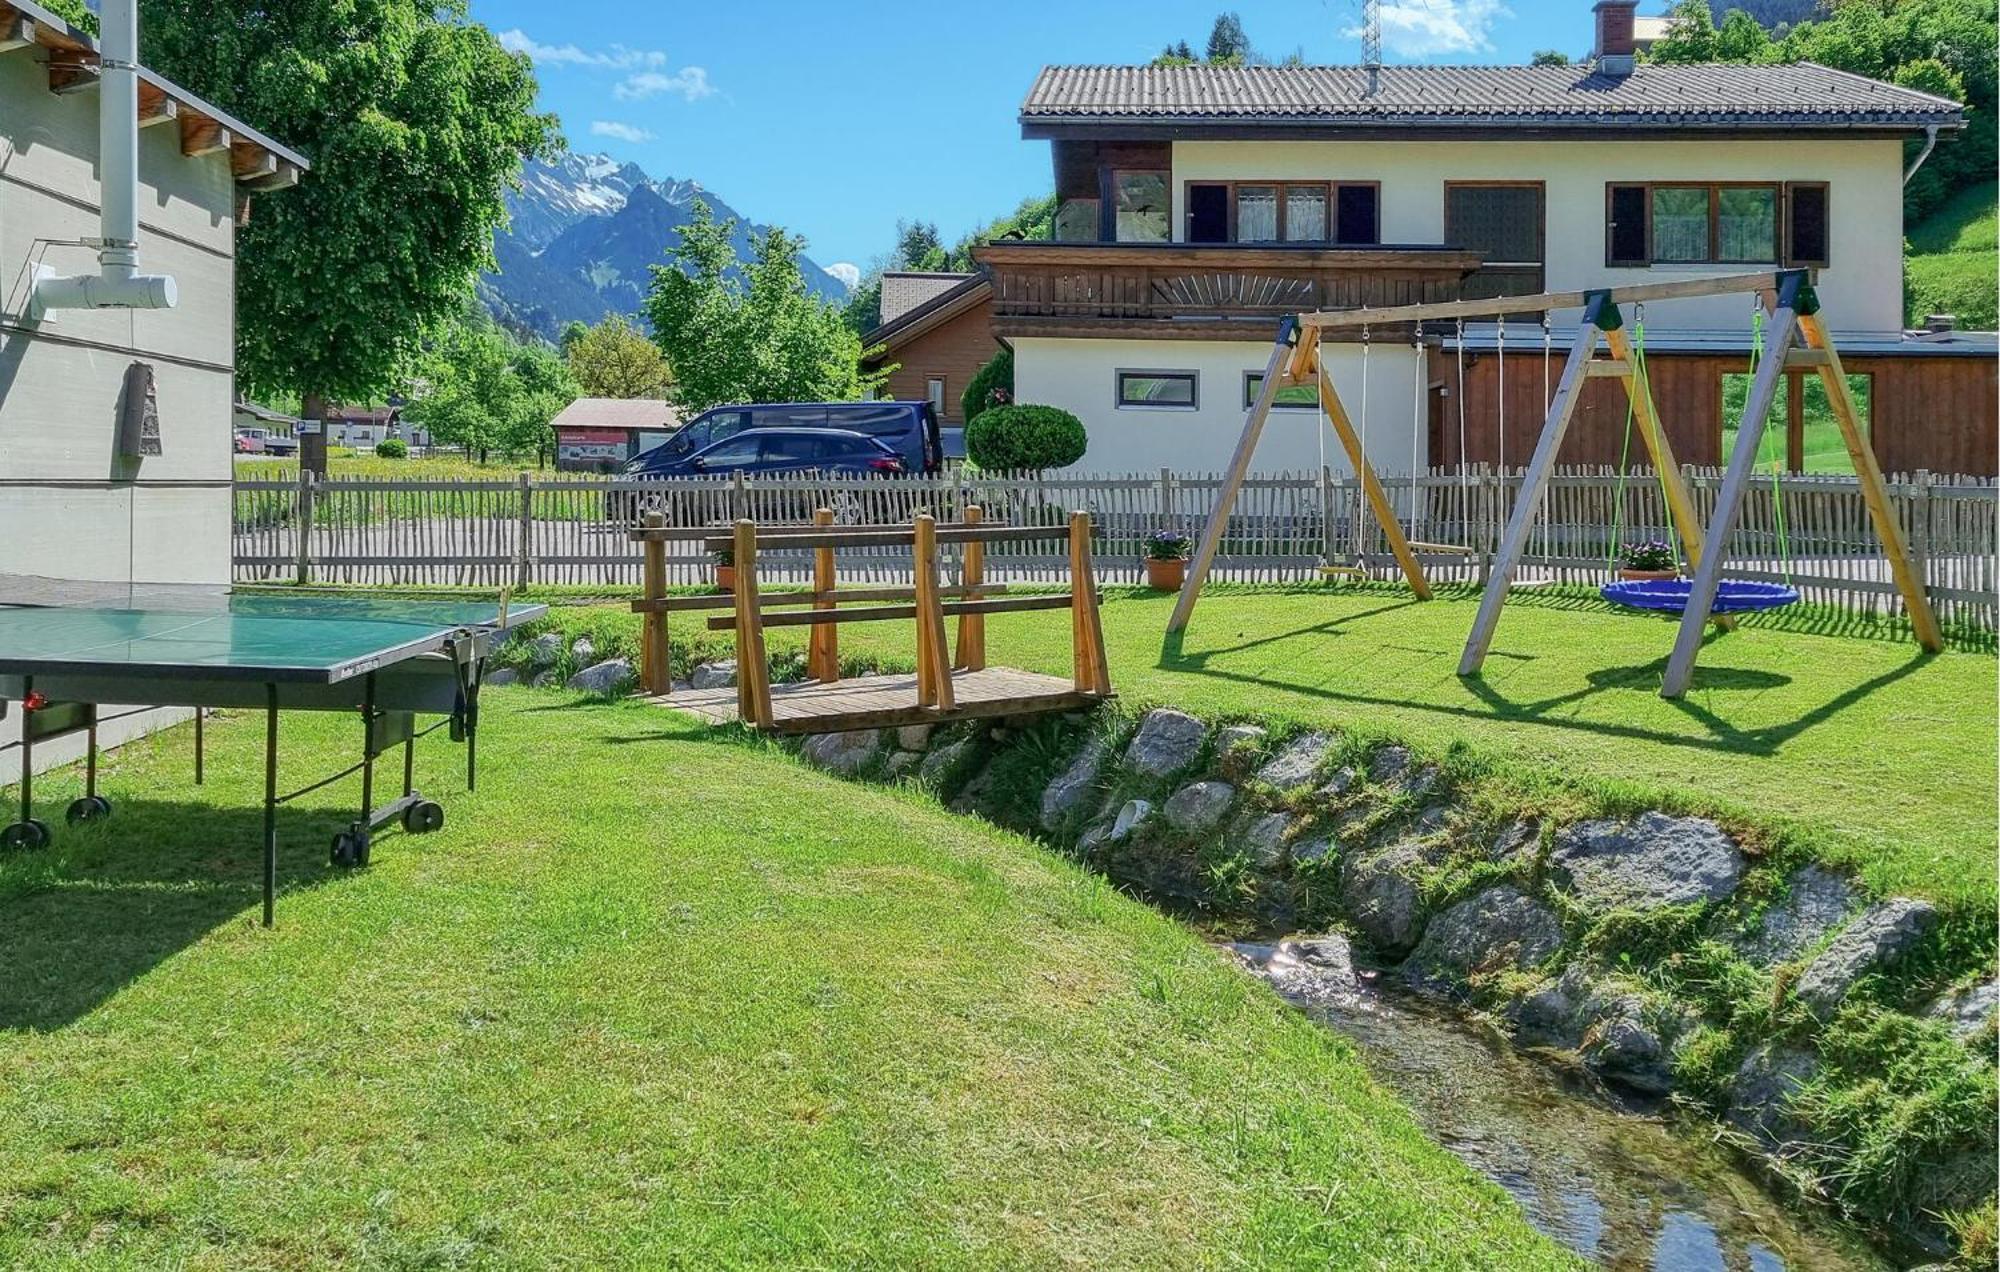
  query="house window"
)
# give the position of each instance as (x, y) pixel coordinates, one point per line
(1708, 224)
(1077, 221)
(1170, 390)
(934, 390)
(1806, 232)
(1291, 397)
(1503, 222)
(1283, 212)
(1139, 206)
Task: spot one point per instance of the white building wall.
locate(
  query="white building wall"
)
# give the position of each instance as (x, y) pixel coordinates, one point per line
(1861, 290)
(1081, 377)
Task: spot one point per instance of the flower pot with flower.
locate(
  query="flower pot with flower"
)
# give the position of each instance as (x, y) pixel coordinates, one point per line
(1652, 561)
(725, 569)
(1167, 552)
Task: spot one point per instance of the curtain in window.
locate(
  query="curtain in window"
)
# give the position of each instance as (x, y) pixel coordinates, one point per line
(1747, 221)
(1305, 213)
(1680, 224)
(1256, 213)
(1142, 207)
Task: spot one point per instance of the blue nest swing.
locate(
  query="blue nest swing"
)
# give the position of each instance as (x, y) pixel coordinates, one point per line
(1732, 596)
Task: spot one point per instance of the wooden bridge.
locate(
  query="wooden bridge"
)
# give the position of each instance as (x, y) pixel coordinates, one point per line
(946, 686)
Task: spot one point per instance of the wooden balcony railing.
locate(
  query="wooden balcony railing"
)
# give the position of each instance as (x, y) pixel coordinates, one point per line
(1203, 289)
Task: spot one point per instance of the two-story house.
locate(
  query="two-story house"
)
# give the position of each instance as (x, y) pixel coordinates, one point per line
(1199, 204)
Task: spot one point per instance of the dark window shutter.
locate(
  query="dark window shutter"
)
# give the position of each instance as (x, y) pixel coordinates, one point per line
(1625, 237)
(1358, 217)
(1807, 234)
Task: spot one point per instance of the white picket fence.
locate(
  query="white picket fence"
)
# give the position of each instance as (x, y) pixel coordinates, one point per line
(572, 529)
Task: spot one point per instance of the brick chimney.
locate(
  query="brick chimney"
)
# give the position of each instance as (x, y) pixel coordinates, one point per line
(1615, 51)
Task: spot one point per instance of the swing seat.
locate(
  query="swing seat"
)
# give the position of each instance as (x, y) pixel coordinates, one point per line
(1732, 596)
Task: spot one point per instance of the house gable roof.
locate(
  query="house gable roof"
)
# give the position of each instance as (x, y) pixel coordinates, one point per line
(629, 413)
(256, 161)
(973, 290)
(1708, 97)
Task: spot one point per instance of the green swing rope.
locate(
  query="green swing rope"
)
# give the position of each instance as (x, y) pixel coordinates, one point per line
(1778, 460)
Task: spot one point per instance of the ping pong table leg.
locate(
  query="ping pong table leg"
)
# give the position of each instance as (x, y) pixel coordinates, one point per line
(198, 714)
(270, 802)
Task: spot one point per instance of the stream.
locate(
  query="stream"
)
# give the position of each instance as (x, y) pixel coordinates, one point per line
(1618, 1187)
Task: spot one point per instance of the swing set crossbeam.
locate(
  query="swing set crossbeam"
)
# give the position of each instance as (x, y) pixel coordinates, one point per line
(1540, 302)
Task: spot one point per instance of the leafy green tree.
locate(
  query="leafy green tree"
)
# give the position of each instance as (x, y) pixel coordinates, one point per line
(765, 339)
(1690, 35)
(614, 360)
(545, 388)
(573, 331)
(863, 311)
(1740, 39)
(918, 246)
(1227, 45)
(992, 385)
(416, 122)
(1549, 57)
(489, 392)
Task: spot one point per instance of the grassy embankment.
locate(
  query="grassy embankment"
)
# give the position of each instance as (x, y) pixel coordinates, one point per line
(649, 999)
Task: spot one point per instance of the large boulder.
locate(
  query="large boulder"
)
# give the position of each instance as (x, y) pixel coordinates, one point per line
(1296, 765)
(1396, 768)
(1167, 742)
(1654, 860)
(1879, 939)
(1238, 748)
(1556, 1012)
(942, 760)
(844, 753)
(582, 651)
(1200, 807)
(1970, 1010)
(1816, 902)
(1761, 1095)
(613, 675)
(1075, 784)
(1622, 1046)
(720, 674)
(500, 676)
(1500, 929)
(1264, 839)
(914, 737)
(544, 650)
(1379, 892)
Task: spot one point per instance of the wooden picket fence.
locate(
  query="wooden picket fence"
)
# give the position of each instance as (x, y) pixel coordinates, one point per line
(575, 529)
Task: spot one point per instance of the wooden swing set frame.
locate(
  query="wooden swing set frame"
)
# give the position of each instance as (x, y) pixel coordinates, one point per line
(1796, 339)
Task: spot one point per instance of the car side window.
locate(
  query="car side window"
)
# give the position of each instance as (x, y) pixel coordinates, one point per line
(727, 424)
(873, 418)
(742, 451)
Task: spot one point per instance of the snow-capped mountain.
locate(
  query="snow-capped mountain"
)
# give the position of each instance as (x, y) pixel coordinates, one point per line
(585, 231)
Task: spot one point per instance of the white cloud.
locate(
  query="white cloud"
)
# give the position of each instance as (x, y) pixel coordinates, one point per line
(619, 131)
(691, 82)
(1434, 28)
(847, 272)
(648, 70)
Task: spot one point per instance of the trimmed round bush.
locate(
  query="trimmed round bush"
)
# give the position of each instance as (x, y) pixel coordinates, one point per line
(1025, 438)
(392, 448)
(992, 385)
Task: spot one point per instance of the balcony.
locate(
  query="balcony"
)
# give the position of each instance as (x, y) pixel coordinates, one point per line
(1203, 291)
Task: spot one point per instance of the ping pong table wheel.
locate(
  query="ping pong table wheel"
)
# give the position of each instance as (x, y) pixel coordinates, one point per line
(87, 808)
(26, 834)
(350, 849)
(423, 817)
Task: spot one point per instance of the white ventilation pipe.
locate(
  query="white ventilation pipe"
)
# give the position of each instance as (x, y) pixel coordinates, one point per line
(118, 284)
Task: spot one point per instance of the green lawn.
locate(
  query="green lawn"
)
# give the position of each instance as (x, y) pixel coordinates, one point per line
(1883, 754)
(654, 999)
(1951, 265)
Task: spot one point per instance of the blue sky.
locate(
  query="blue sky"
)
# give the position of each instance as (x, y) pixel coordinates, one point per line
(835, 119)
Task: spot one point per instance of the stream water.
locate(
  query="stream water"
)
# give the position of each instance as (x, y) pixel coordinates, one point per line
(1614, 1185)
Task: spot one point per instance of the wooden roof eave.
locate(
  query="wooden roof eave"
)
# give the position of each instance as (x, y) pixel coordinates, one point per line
(257, 162)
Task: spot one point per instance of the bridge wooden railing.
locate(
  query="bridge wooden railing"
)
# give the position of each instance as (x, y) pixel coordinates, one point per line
(929, 601)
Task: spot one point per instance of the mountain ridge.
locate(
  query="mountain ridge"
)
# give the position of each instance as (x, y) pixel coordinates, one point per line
(584, 231)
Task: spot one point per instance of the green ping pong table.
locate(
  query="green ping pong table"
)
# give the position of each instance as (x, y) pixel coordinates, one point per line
(67, 649)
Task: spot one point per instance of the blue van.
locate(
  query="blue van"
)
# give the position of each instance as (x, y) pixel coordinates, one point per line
(908, 428)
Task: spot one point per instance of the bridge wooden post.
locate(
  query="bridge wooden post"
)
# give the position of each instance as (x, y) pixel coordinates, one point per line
(823, 648)
(972, 627)
(753, 668)
(1090, 672)
(654, 671)
(934, 687)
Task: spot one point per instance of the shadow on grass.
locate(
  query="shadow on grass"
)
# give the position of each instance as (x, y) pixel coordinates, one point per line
(105, 904)
(1723, 735)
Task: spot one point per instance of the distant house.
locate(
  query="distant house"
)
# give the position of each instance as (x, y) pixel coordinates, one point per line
(598, 434)
(1197, 205)
(937, 330)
